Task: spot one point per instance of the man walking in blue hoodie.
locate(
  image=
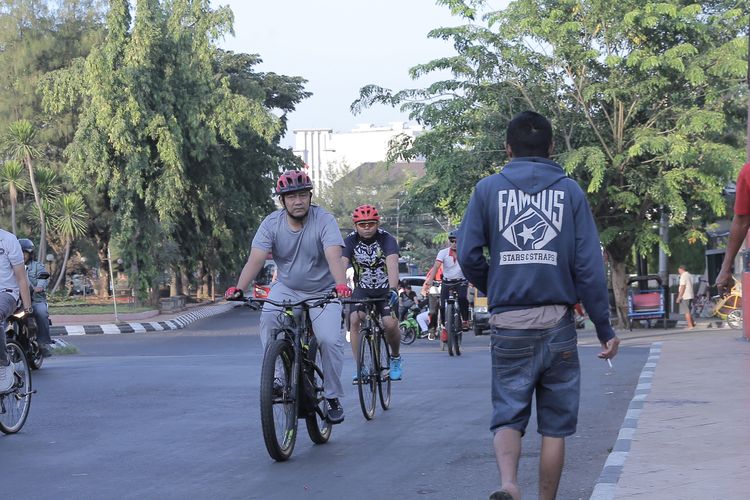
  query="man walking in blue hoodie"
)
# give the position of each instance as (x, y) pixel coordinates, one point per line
(544, 257)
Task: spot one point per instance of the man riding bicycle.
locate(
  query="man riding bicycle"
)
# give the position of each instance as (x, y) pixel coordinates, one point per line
(453, 279)
(373, 253)
(305, 242)
(39, 298)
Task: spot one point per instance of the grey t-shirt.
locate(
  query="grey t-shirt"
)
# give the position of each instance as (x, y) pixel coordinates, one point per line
(299, 255)
(10, 255)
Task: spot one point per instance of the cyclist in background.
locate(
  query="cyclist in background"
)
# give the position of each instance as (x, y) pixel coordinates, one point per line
(39, 297)
(306, 245)
(373, 253)
(452, 277)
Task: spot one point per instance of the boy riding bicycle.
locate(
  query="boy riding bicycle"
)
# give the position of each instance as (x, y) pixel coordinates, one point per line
(373, 253)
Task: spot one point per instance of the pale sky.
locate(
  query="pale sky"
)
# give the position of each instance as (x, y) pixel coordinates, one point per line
(340, 46)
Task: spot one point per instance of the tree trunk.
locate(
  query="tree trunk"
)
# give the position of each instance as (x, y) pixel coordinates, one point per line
(619, 287)
(104, 281)
(63, 268)
(38, 199)
(13, 215)
(185, 279)
(173, 276)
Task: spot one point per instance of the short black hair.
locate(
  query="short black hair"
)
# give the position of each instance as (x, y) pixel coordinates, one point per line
(529, 134)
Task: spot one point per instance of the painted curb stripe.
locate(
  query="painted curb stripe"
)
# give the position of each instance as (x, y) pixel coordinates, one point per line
(607, 483)
(153, 326)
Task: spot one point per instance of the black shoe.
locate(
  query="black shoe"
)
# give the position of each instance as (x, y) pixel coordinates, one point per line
(335, 411)
(278, 388)
(501, 495)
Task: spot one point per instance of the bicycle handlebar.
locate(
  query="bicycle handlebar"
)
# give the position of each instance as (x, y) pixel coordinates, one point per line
(371, 300)
(286, 304)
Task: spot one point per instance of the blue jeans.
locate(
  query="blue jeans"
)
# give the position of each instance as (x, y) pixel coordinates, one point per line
(41, 316)
(541, 362)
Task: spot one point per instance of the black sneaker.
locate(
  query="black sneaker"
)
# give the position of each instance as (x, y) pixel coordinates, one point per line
(278, 388)
(335, 411)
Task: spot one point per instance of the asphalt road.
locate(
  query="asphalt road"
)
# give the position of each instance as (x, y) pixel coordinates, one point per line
(175, 415)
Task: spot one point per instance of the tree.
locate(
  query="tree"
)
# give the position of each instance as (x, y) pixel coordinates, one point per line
(21, 141)
(646, 99)
(13, 179)
(69, 220)
(162, 135)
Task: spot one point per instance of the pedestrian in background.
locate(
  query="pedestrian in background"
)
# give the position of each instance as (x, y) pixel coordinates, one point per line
(544, 255)
(738, 231)
(685, 296)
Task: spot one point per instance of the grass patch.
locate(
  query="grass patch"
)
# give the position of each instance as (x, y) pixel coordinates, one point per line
(66, 349)
(96, 309)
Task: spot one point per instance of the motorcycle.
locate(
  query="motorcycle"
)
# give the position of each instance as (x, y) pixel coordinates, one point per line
(21, 327)
(409, 327)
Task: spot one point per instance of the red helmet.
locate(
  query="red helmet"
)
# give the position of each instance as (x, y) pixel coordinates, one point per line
(365, 212)
(293, 180)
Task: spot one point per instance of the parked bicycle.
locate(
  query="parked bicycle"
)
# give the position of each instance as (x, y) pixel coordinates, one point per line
(726, 307)
(453, 323)
(14, 405)
(291, 379)
(373, 373)
(22, 328)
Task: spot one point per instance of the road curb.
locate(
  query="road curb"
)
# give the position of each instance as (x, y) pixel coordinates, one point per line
(143, 327)
(612, 470)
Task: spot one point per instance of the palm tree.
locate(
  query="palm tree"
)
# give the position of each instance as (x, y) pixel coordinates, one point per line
(21, 137)
(13, 180)
(70, 220)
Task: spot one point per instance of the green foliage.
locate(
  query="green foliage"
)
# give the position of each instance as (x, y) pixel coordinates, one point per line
(176, 144)
(647, 100)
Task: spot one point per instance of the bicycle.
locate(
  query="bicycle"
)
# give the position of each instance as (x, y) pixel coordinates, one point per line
(453, 324)
(15, 404)
(291, 379)
(373, 361)
(727, 307)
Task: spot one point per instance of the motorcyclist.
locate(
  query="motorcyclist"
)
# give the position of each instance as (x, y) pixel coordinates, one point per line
(39, 297)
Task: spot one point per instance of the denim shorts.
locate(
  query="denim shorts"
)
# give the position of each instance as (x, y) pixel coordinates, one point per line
(541, 361)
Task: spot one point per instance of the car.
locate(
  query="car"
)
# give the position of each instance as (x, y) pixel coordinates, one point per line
(415, 282)
(480, 315)
(262, 282)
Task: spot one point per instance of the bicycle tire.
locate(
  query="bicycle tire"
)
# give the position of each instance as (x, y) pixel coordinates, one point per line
(408, 335)
(384, 365)
(449, 326)
(280, 436)
(34, 354)
(366, 370)
(15, 405)
(457, 331)
(734, 319)
(318, 427)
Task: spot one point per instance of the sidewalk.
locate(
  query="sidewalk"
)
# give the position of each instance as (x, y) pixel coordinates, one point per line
(686, 434)
(135, 322)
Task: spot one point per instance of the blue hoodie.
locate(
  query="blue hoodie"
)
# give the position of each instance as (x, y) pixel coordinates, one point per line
(543, 244)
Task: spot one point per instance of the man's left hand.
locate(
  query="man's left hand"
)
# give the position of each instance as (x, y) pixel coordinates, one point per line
(393, 298)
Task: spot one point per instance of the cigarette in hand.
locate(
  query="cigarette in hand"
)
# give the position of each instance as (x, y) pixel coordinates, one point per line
(609, 362)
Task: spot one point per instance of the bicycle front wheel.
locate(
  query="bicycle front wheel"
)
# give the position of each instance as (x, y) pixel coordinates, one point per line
(457, 331)
(14, 405)
(450, 327)
(278, 401)
(318, 427)
(368, 375)
(734, 319)
(384, 365)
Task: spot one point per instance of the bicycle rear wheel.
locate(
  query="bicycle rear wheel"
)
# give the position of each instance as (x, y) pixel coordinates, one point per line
(14, 405)
(734, 319)
(318, 427)
(384, 364)
(278, 403)
(368, 375)
(450, 327)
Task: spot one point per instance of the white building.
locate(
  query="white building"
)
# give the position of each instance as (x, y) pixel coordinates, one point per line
(323, 150)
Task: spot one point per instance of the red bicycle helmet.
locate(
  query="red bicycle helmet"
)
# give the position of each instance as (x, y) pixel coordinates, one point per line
(365, 212)
(293, 180)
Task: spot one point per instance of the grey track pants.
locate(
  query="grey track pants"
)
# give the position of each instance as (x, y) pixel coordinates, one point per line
(326, 323)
